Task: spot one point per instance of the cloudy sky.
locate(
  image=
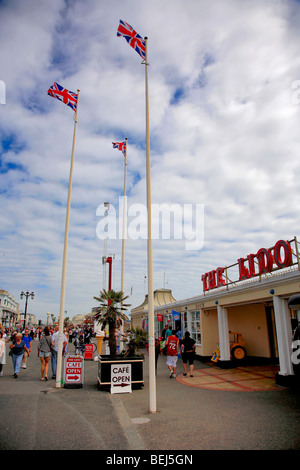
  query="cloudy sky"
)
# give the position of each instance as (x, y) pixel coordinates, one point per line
(224, 90)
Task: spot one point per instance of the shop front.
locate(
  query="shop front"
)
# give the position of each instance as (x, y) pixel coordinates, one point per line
(251, 308)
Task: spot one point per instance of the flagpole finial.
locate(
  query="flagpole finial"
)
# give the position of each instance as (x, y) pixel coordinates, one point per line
(78, 90)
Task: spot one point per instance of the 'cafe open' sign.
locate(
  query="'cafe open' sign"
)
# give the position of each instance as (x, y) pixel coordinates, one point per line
(280, 255)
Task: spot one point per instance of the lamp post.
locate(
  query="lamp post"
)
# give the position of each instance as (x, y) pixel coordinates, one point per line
(27, 294)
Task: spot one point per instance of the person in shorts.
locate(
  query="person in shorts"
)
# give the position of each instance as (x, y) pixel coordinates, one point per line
(172, 345)
(188, 346)
(27, 341)
(44, 351)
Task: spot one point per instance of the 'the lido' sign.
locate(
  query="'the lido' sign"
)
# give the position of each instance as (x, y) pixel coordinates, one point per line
(264, 261)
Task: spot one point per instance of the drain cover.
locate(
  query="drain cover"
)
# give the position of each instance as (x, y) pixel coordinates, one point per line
(140, 420)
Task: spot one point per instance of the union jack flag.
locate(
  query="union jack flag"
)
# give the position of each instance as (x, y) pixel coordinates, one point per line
(62, 94)
(133, 38)
(120, 146)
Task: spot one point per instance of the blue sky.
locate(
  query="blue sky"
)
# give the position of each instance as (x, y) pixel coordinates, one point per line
(224, 119)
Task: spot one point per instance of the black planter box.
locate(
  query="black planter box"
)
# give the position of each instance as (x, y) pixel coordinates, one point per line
(104, 370)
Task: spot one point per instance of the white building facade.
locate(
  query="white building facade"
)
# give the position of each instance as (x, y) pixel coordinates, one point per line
(9, 309)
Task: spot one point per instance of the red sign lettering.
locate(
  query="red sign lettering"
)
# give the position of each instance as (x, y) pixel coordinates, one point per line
(220, 280)
(204, 280)
(286, 247)
(264, 259)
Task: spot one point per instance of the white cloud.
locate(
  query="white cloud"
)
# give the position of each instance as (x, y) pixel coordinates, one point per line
(224, 133)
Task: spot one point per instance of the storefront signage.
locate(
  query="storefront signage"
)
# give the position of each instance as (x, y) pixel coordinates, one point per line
(175, 315)
(73, 370)
(88, 352)
(121, 378)
(264, 261)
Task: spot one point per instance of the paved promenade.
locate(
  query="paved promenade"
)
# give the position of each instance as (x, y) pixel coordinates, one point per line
(242, 409)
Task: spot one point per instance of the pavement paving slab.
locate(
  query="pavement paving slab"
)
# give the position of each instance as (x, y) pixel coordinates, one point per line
(238, 409)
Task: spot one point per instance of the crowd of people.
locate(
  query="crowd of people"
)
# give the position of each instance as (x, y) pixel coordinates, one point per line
(20, 340)
(171, 343)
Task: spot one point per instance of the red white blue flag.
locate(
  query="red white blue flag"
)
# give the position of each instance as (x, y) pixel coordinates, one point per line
(62, 94)
(133, 38)
(120, 146)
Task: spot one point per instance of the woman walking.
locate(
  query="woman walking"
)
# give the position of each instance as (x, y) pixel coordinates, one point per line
(2, 352)
(44, 351)
(18, 348)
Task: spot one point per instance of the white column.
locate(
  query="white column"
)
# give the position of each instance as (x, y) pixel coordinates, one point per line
(223, 334)
(284, 335)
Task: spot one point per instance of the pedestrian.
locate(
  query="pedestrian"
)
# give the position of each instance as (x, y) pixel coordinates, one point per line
(188, 347)
(172, 345)
(66, 333)
(44, 351)
(13, 335)
(70, 335)
(87, 336)
(157, 353)
(27, 341)
(2, 352)
(5, 335)
(79, 345)
(54, 352)
(163, 333)
(17, 348)
(179, 334)
(168, 332)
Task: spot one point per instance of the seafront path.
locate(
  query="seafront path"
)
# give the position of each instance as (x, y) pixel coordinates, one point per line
(239, 409)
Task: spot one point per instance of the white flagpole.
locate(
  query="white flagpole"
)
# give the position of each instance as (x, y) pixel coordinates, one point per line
(63, 281)
(152, 378)
(123, 239)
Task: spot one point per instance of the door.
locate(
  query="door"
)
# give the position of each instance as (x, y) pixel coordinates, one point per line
(271, 331)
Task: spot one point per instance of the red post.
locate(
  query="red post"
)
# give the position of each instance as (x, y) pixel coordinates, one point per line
(109, 261)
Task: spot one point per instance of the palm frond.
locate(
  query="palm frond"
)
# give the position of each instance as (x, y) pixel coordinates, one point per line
(110, 311)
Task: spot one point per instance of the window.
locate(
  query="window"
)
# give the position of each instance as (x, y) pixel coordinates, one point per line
(194, 325)
(158, 327)
(185, 321)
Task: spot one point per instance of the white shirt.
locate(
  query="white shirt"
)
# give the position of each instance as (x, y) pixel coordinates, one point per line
(55, 340)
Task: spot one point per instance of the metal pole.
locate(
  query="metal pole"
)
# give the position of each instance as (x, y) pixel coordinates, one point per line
(152, 378)
(63, 282)
(123, 240)
(25, 313)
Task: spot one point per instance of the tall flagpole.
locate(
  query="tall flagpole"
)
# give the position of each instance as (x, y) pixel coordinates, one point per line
(123, 238)
(63, 281)
(152, 378)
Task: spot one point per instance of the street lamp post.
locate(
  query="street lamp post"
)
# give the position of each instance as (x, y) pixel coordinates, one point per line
(27, 294)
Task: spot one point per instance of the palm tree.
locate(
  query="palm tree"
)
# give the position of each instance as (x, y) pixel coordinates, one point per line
(110, 312)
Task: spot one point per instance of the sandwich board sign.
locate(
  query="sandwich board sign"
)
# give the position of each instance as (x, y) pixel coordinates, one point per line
(88, 351)
(120, 378)
(73, 374)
